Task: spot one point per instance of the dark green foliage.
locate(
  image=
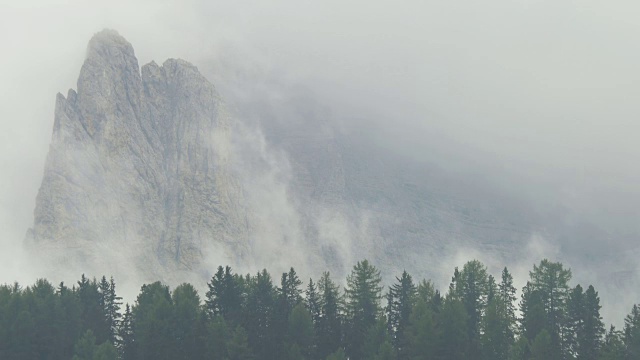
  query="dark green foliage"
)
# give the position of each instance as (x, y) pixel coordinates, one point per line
(377, 343)
(225, 295)
(329, 328)
(585, 327)
(86, 349)
(259, 314)
(499, 319)
(337, 355)
(301, 333)
(363, 294)
(632, 333)
(422, 334)
(551, 282)
(454, 327)
(400, 301)
(248, 318)
(472, 288)
(542, 347)
(152, 323)
(613, 347)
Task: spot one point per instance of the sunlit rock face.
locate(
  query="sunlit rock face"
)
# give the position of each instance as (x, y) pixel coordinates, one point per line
(137, 175)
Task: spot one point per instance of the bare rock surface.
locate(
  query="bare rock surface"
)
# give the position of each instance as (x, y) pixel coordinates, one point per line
(138, 169)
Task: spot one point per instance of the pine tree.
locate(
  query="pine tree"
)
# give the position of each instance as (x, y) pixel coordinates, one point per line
(301, 333)
(289, 295)
(126, 350)
(188, 325)
(455, 335)
(542, 347)
(260, 315)
(422, 333)
(575, 320)
(507, 297)
(533, 319)
(632, 333)
(551, 281)
(472, 287)
(239, 345)
(377, 342)
(590, 341)
(153, 317)
(400, 301)
(363, 294)
(329, 330)
(110, 303)
(93, 314)
(613, 347)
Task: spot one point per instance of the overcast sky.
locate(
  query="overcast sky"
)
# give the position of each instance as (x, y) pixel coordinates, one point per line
(540, 97)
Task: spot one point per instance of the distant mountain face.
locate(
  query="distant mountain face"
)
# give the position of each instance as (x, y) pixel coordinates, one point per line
(148, 173)
(138, 168)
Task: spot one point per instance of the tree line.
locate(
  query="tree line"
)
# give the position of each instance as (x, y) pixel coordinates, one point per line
(251, 317)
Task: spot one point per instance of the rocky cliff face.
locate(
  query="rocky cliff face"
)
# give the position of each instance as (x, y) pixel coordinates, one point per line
(138, 167)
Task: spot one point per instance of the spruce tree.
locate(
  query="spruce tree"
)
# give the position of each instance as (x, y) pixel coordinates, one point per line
(590, 341)
(400, 301)
(422, 333)
(261, 299)
(613, 347)
(125, 346)
(551, 281)
(632, 333)
(363, 293)
(329, 330)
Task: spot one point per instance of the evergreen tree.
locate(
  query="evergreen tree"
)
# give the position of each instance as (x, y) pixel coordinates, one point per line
(110, 303)
(472, 287)
(313, 302)
(188, 331)
(337, 355)
(329, 330)
(400, 300)
(455, 335)
(613, 347)
(225, 295)
(260, 314)
(67, 322)
(377, 343)
(507, 298)
(301, 333)
(575, 319)
(93, 313)
(542, 347)
(363, 294)
(238, 347)
(153, 323)
(590, 336)
(533, 319)
(499, 320)
(632, 333)
(126, 350)
(86, 347)
(551, 281)
(422, 333)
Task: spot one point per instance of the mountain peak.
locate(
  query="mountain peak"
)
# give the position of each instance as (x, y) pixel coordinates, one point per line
(107, 43)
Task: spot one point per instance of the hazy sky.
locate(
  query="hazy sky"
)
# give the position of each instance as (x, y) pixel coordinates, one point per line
(540, 97)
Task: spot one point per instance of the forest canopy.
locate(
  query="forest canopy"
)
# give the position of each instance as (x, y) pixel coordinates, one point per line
(257, 317)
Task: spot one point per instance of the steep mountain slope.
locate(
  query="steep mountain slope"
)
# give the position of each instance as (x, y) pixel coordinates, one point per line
(138, 168)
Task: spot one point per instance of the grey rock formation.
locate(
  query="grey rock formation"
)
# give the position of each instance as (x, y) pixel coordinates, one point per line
(138, 169)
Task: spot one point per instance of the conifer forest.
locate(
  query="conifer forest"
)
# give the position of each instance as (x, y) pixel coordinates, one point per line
(258, 317)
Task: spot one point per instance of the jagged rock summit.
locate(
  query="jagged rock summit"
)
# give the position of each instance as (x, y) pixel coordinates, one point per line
(137, 175)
